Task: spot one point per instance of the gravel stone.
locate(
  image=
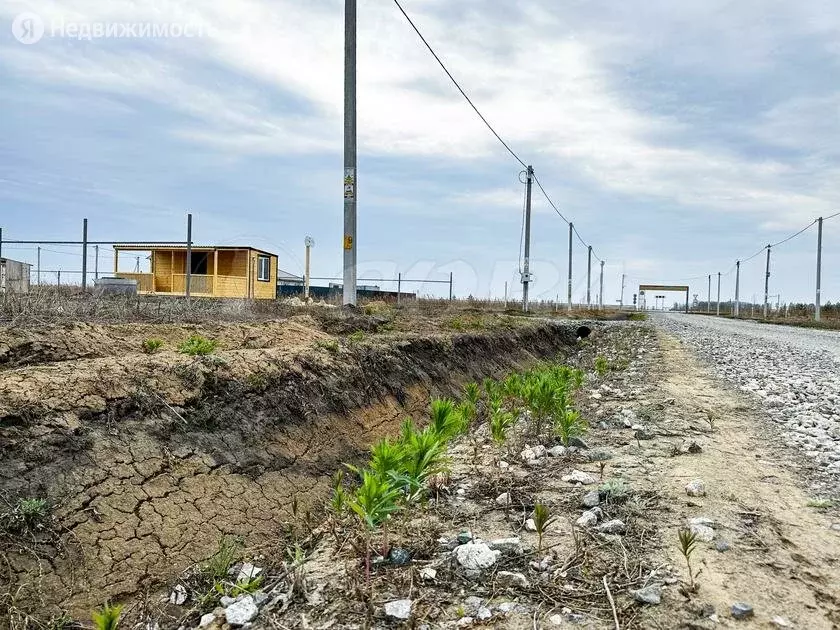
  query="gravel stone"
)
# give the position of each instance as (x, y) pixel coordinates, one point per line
(696, 488)
(476, 557)
(741, 610)
(577, 476)
(592, 499)
(399, 609)
(503, 499)
(649, 595)
(241, 611)
(508, 579)
(587, 519)
(557, 451)
(507, 545)
(615, 526)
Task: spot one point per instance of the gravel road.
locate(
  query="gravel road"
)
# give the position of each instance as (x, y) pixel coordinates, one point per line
(794, 372)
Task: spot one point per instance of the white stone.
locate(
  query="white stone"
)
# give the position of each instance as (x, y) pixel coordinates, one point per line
(484, 613)
(703, 532)
(503, 499)
(696, 488)
(247, 571)
(530, 525)
(241, 611)
(509, 579)
(556, 620)
(399, 609)
(206, 620)
(475, 557)
(178, 596)
(507, 545)
(587, 519)
(577, 476)
(428, 573)
(614, 526)
(557, 451)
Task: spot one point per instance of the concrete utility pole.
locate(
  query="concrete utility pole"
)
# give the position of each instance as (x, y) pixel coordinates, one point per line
(526, 266)
(709, 300)
(621, 300)
(506, 294)
(569, 296)
(738, 289)
(601, 290)
(309, 242)
(96, 262)
(819, 268)
(589, 278)
(718, 299)
(38, 268)
(188, 270)
(767, 283)
(350, 153)
(84, 254)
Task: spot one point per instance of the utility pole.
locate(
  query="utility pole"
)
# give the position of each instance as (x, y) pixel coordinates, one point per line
(350, 153)
(621, 301)
(506, 294)
(96, 262)
(38, 268)
(84, 254)
(137, 264)
(571, 230)
(589, 278)
(526, 268)
(819, 268)
(188, 280)
(399, 287)
(601, 290)
(767, 283)
(738, 289)
(709, 300)
(718, 297)
(310, 243)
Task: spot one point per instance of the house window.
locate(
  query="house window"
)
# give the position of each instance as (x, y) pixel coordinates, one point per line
(264, 269)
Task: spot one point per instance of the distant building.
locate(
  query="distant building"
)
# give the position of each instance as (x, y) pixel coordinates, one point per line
(14, 276)
(220, 272)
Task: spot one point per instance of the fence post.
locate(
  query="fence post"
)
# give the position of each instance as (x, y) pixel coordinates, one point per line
(450, 286)
(819, 269)
(399, 287)
(718, 296)
(601, 290)
(709, 299)
(738, 289)
(1, 242)
(59, 278)
(84, 254)
(767, 283)
(569, 295)
(189, 257)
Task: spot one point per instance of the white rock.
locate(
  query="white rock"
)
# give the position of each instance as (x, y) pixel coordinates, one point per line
(509, 579)
(577, 476)
(504, 465)
(557, 451)
(592, 499)
(475, 557)
(503, 499)
(703, 532)
(696, 488)
(399, 609)
(587, 519)
(206, 620)
(556, 620)
(530, 525)
(428, 573)
(507, 545)
(178, 596)
(614, 526)
(241, 611)
(780, 622)
(248, 571)
(484, 613)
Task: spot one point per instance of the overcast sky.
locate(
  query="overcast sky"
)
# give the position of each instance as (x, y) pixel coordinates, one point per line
(678, 136)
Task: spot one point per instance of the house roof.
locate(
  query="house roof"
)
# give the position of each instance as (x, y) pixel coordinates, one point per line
(285, 276)
(147, 247)
(20, 262)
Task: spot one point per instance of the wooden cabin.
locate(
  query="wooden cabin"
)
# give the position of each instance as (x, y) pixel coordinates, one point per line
(220, 272)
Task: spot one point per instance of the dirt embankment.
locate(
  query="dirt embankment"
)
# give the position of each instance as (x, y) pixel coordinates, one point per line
(147, 460)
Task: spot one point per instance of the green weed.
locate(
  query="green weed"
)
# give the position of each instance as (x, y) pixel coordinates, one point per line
(330, 345)
(602, 366)
(821, 504)
(107, 617)
(568, 425)
(151, 346)
(688, 545)
(219, 564)
(375, 500)
(357, 337)
(542, 520)
(197, 346)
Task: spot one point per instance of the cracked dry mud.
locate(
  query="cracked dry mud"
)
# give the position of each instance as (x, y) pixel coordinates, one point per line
(149, 460)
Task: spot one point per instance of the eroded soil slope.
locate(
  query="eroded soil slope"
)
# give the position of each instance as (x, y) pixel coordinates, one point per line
(147, 460)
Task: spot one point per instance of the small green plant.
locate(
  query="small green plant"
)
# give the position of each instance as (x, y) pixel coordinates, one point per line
(820, 504)
(219, 564)
(472, 392)
(542, 520)
(357, 337)
(602, 366)
(375, 500)
(688, 545)
(197, 346)
(614, 490)
(710, 418)
(150, 346)
(32, 511)
(107, 617)
(246, 586)
(338, 503)
(330, 345)
(500, 423)
(568, 425)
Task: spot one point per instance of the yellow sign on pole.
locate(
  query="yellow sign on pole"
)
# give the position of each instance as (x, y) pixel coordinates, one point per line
(348, 242)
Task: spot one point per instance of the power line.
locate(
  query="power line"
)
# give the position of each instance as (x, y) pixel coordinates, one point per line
(457, 85)
(790, 238)
(481, 116)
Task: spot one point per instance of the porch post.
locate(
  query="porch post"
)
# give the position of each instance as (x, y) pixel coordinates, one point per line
(215, 271)
(116, 260)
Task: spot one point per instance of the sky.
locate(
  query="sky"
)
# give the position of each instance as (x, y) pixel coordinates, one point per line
(677, 136)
